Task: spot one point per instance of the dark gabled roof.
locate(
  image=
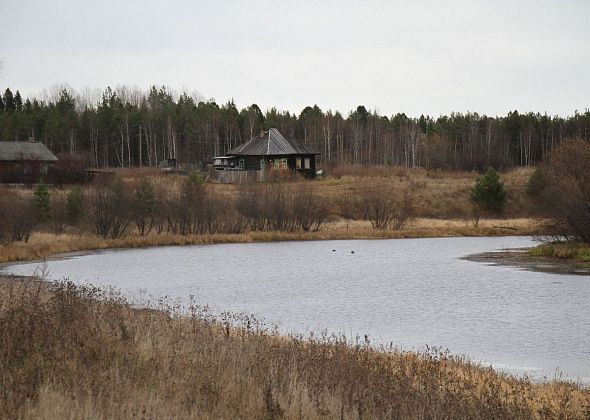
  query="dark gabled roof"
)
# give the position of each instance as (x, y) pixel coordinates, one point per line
(25, 150)
(271, 143)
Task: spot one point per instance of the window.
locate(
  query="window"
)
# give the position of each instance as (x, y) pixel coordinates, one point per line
(307, 162)
(298, 163)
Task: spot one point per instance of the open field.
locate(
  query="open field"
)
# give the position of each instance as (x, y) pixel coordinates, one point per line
(83, 353)
(437, 194)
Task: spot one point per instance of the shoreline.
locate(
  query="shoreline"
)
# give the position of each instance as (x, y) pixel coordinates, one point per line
(150, 353)
(44, 246)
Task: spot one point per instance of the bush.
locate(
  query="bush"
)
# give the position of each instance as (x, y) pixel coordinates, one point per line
(563, 194)
(378, 201)
(17, 219)
(41, 201)
(58, 215)
(109, 209)
(74, 205)
(143, 207)
(310, 210)
(489, 194)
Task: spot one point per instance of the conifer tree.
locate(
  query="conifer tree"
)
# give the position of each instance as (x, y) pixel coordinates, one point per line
(489, 193)
(41, 200)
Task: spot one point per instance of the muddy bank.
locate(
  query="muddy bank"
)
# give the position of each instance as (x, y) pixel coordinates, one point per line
(521, 258)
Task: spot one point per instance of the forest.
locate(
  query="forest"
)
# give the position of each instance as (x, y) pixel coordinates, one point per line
(130, 127)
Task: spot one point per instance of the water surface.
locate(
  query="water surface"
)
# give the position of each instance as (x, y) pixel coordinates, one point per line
(409, 292)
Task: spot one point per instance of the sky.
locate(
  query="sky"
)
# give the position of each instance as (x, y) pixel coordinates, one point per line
(418, 57)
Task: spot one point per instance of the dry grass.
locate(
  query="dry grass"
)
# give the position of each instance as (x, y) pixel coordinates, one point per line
(437, 194)
(70, 352)
(44, 245)
(563, 250)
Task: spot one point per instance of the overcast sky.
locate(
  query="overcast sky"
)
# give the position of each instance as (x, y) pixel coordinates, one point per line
(416, 57)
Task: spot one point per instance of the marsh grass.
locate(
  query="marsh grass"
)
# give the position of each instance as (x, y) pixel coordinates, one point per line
(43, 245)
(81, 352)
(562, 250)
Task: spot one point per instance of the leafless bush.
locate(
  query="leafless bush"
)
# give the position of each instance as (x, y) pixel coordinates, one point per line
(17, 219)
(278, 206)
(109, 209)
(562, 188)
(143, 206)
(385, 206)
(310, 210)
(251, 206)
(58, 215)
(282, 206)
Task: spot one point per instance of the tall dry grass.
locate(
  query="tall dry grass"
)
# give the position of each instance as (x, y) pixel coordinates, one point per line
(79, 352)
(43, 245)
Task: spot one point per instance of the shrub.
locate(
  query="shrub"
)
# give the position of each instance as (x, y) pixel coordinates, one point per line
(58, 216)
(379, 202)
(489, 194)
(310, 210)
(74, 205)
(41, 201)
(143, 207)
(109, 209)
(17, 219)
(563, 195)
(250, 206)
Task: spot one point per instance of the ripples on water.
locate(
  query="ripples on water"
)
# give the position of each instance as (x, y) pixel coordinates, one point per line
(409, 292)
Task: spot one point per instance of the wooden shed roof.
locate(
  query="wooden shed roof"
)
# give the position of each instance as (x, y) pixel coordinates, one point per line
(272, 143)
(14, 151)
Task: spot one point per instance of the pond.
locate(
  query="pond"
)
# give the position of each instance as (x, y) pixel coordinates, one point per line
(409, 292)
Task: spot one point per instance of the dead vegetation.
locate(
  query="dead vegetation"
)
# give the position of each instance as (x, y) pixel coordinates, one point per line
(144, 208)
(79, 352)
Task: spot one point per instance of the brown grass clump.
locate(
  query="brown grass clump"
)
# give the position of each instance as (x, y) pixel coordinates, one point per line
(79, 352)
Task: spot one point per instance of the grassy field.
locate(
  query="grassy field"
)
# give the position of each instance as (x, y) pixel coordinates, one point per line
(70, 352)
(441, 208)
(437, 194)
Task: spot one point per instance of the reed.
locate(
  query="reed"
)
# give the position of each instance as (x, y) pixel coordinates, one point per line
(81, 352)
(43, 245)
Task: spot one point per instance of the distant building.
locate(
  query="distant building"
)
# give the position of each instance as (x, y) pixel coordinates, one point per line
(269, 150)
(24, 162)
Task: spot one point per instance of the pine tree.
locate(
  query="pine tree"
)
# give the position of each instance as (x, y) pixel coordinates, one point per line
(41, 201)
(74, 205)
(489, 193)
(18, 101)
(9, 104)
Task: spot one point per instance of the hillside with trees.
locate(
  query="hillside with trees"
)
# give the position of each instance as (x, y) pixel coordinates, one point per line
(128, 127)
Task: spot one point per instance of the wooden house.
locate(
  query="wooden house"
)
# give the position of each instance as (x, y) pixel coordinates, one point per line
(24, 162)
(269, 150)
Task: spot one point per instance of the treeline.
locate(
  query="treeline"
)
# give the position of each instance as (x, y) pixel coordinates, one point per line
(130, 127)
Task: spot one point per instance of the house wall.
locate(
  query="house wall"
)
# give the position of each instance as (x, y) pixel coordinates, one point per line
(28, 172)
(263, 163)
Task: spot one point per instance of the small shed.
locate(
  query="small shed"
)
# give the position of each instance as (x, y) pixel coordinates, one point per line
(270, 150)
(24, 162)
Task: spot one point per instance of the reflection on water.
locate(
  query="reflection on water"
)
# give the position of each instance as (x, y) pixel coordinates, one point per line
(409, 292)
